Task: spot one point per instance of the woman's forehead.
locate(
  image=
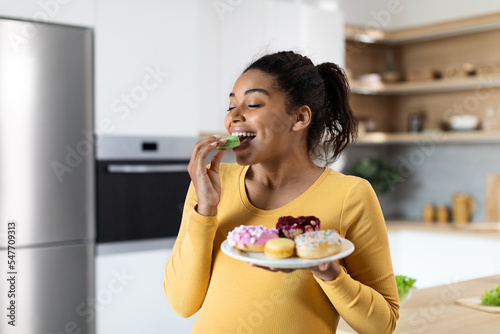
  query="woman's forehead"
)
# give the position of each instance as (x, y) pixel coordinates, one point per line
(254, 81)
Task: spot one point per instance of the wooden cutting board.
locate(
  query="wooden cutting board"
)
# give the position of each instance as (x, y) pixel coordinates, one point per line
(493, 198)
(475, 303)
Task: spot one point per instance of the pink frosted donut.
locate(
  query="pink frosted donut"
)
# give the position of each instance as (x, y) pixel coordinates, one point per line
(251, 238)
(318, 244)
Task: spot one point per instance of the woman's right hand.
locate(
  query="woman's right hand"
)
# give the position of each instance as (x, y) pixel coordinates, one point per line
(206, 181)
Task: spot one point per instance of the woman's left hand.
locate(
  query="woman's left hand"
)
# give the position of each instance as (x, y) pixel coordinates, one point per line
(327, 271)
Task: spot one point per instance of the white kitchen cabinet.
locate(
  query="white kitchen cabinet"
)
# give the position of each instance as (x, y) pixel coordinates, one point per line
(146, 67)
(71, 12)
(129, 296)
(443, 258)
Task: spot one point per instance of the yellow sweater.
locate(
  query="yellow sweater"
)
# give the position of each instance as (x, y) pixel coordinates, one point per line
(233, 297)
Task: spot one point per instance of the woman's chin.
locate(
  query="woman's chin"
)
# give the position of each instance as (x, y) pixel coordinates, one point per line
(245, 144)
(244, 159)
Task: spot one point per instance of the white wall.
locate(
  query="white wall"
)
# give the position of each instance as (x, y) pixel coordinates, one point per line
(248, 29)
(72, 12)
(400, 14)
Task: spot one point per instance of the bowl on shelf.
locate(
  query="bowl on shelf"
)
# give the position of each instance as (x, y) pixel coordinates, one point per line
(463, 122)
(369, 78)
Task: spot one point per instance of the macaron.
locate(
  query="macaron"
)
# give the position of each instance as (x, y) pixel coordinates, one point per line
(279, 248)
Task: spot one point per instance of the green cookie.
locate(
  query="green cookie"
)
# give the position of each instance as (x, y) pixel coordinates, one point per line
(231, 141)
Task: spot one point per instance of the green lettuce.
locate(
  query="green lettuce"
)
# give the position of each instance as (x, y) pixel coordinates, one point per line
(491, 297)
(404, 284)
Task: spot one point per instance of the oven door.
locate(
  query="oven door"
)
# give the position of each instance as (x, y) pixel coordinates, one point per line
(140, 199)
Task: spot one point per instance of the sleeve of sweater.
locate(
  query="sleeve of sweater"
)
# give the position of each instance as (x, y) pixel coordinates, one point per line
(365, 292)
(187, 273)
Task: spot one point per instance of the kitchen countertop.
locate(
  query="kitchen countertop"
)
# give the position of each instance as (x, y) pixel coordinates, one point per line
(433, 310)
(476, 229)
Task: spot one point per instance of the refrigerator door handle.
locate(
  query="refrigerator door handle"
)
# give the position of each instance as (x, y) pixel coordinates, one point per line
(144, 169)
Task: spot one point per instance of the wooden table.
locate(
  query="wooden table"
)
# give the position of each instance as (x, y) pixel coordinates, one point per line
(433, 310)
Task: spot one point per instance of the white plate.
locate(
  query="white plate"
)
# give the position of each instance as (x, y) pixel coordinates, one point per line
(292, 262)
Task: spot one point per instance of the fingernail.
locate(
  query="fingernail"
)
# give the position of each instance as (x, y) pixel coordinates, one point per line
(215, 143)
(217, 136)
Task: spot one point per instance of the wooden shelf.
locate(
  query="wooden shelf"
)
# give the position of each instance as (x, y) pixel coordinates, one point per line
(451, 49)
(424, 33)
(437, 136)
(420, 87)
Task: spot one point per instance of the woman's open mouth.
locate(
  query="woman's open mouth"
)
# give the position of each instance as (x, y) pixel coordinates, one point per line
(245, 139)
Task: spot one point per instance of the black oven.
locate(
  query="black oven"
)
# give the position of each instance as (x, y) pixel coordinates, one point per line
(141, 186)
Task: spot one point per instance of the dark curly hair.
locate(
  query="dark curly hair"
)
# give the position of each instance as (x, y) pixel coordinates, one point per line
(325, 90)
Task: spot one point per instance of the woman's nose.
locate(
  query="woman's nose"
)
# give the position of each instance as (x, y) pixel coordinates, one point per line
(236, 115)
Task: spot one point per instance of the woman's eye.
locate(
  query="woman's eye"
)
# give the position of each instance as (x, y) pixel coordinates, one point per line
(248, 105)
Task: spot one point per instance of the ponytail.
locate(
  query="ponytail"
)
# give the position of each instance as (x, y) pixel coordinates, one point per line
(340, 125)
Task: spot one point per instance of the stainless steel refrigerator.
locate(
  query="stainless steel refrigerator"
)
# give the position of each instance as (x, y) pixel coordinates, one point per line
(46, 178)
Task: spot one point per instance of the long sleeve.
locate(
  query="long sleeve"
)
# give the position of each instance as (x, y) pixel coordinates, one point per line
(365, 293)
(187, 273)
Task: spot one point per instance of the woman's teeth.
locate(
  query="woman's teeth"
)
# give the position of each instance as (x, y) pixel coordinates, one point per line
(243, 134)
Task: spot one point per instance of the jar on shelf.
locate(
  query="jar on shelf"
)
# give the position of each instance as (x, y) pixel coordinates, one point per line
(463, 206)
(428, 213)
(415, 122)
(442, 214)
(390, 74)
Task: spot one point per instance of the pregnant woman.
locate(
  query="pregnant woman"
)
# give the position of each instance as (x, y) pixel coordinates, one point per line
(293, 119)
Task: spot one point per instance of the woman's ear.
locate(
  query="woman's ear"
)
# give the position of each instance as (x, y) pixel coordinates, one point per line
(302, 118)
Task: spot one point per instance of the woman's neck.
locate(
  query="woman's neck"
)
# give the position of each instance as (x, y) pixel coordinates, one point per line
(284, 172)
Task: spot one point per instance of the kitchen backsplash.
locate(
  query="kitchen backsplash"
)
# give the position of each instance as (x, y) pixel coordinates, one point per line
(431, 173)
